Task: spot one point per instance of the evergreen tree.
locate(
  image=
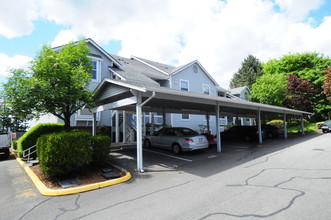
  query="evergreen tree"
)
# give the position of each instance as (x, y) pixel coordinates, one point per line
(251, 68)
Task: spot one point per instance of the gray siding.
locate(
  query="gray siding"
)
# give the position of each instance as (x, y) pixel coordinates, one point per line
(196, 82)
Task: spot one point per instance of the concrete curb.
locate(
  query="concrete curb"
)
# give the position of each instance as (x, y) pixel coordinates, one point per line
(60, 192)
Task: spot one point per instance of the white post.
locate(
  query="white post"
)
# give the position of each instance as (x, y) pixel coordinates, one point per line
(94, 124)
(285, 127)
(124, 127)
(302, 125)
(117, 129)
(144, 124)
(208, 126)
(152, 123)
(259, 125)
(218, 132)
(164, 117)
(139, 135)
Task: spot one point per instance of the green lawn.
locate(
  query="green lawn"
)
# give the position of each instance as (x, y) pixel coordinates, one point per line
(311, 127)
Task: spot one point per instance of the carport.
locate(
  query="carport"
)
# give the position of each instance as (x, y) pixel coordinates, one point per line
(114, 94)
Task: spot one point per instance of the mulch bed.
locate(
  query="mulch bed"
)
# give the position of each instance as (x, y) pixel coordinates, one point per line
(86, 175)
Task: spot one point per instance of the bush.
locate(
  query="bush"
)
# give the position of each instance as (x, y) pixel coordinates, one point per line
(277, 123)
(15, 144)
(319, 125)
(297, 122)
(65, 152)
(100, 150)
(30, 137)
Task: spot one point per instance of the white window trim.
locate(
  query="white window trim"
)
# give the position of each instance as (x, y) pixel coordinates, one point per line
(180, 84)
(80, 117)
(98, 61)
(203, 89)
(185, 119)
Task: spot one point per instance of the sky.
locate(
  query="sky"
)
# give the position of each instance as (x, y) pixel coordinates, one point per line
(218, 33)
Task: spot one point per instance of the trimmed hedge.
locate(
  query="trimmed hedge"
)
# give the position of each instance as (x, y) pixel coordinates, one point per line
(62, 153)
(30, 137)
(100, 150)
(277, 123)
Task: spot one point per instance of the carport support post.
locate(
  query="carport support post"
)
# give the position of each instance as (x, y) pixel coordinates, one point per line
(152, 123)
(302, 125)
(259, 125)
(218, 132)
(164, 117)
(94, 124)
(139, 135)
(208, 126)
(117, 129)
(285, 128)
(124, 127)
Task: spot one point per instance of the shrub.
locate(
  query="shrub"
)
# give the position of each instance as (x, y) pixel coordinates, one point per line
(15, 144)
(65, 152)
(319, 125)
(30, 137)
(100, 150)
(297, 122)
(277, 123)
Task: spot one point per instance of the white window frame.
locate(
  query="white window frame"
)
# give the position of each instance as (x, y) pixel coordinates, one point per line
(80, 117)
(203, 89)
(185, 119)
(98, 62)
(185, 81)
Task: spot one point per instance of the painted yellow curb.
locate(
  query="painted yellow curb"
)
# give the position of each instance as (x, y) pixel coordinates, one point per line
(59, 192)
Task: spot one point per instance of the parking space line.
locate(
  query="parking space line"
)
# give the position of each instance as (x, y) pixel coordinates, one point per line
(179, 158)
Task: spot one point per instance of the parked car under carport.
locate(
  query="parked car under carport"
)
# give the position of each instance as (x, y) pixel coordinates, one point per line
(177, 139)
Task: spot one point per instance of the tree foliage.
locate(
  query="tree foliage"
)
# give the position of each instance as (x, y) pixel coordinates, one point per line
(327, 84)
(300, 94)
(269, 89)
(251, 68)
(309, 66)
(57, 84)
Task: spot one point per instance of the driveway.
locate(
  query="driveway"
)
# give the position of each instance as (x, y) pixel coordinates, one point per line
(281, 179)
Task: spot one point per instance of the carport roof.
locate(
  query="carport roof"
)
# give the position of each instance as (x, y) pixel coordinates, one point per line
(121, 95)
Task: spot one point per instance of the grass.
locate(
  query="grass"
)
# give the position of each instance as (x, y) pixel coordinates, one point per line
(311, 127)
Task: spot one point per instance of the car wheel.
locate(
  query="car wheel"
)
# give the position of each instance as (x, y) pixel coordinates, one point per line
(324, 131)
(148, 144)
(176, 149)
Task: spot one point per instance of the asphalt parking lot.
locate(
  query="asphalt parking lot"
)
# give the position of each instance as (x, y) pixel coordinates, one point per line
(281, 179)
(199, 162)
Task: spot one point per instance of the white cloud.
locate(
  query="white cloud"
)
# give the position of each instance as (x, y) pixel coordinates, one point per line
(14, 62)
(64, 37)
(16, 17)
(220, 34)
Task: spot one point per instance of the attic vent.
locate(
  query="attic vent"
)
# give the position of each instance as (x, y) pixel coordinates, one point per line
(195, 69)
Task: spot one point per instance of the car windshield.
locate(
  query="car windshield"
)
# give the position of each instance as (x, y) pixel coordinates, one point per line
(327, 123)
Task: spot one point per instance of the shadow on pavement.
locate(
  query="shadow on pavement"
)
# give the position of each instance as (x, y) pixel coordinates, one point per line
(206, 162)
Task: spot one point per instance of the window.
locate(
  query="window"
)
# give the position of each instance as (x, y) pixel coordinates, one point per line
(185, 116)
(96, 70)
(184, 85)
(206, 89)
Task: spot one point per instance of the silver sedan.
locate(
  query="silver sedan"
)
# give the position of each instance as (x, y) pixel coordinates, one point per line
(177, 139)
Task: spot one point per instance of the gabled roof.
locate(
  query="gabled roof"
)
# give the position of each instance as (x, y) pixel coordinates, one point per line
(132, 70)
(161, 67)
(239, 90)
(195, 62)
(89, 40)
(172, 70)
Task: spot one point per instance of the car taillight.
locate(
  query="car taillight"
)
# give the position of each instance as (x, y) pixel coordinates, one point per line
(188, 139)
